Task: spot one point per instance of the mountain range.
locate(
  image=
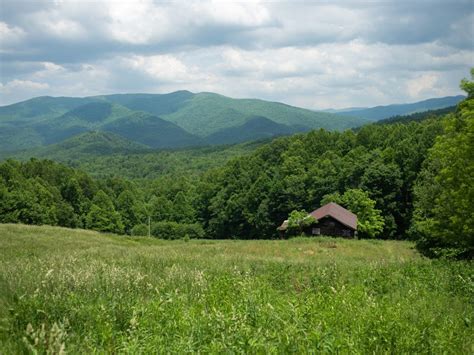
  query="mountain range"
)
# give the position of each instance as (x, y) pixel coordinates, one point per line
(130, 123)
(383, 112)
(178, 119)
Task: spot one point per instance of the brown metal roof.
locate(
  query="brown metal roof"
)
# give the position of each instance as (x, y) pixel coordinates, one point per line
(337, 212)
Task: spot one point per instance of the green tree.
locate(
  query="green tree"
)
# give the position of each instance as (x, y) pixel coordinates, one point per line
(182, 210)
(140, 230)
(468, 85)
(444, 194)
(382, 181)
(298, 221)
(128, 209)
(370, 222)
(160, 208)
(102, 215)
(72, 193)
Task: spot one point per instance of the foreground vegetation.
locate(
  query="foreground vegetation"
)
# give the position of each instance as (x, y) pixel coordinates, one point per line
(81, 291)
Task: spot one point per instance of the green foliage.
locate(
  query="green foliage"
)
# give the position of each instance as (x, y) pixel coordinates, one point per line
(207, 113)
(370, 222)
(84, 292)
(418, 116)
(444, 218)
(298, 221)
(295, 173)
(129, 210)
(140, 230)
(468, 85)
(102, 215)
(152, 131)
(255, 128)
(174, 230)
(103, 154)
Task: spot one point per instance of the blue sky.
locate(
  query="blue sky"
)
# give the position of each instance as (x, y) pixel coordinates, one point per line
(314, 54)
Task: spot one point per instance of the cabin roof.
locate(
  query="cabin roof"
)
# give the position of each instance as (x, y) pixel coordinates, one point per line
(337, 212)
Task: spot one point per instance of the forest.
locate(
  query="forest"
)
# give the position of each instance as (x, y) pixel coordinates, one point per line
(408, 179)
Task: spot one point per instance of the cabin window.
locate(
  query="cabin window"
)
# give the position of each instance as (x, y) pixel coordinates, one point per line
(332, 224)
(316, 231)
(346, 232)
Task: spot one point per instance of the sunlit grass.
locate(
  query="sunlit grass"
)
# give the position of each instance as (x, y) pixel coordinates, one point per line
(81, 291)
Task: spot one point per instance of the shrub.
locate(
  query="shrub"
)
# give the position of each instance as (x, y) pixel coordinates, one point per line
(194, 230)
(140, 230)
(174, 230)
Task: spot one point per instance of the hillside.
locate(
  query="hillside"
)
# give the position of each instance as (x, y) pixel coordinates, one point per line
(419, 116)
(40, 127)
(207, 113)
(179, 119)
(383, 112)
(80, 290)
(83, 146)
(102, 154)
(152, 131)
(40, 107)
(255, 128)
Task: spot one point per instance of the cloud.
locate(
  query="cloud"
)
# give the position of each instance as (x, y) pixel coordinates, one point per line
(10, 35)
(22, 88)
(423, 83)
(23, 85)
(314, 54)
(159, 67)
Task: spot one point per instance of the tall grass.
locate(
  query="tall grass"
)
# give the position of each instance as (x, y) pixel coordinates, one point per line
(80, 291)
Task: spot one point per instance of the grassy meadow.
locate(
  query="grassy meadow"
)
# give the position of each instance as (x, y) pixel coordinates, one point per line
(79, 291)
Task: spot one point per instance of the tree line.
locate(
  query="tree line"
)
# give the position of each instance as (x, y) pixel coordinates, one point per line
(417, 175)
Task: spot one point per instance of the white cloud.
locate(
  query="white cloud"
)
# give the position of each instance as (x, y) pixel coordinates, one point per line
(27, 85)
(10, 34)
(48, 70)
(247, 14)
(136, 22)
(160, 67)
(55, 25)
(421, 84)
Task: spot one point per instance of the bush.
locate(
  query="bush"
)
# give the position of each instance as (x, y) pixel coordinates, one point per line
(140, 230)
(174, 230)
(194, 230)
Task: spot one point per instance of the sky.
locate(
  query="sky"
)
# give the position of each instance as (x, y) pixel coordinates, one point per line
(312, 54)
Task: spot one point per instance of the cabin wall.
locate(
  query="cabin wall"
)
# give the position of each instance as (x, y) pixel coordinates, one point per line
(330, 226)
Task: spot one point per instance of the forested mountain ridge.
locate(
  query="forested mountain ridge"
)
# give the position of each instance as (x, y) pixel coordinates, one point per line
(207, 113)
(255, 128)
(419, 116)
(104, 154)
(179, 119)
(83, 146)
(383, 112)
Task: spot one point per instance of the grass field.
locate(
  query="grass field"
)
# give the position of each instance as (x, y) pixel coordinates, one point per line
(81, 291)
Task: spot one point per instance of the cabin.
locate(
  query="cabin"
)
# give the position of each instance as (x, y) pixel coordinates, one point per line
(332, 220)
